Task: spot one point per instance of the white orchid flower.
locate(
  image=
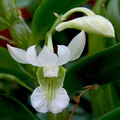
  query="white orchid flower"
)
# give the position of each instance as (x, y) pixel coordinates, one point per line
(50, 96)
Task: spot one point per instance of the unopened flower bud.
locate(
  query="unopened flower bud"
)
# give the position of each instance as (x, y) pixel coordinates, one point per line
(94, 24)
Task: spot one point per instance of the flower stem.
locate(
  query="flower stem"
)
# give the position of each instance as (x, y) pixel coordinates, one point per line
(48, 37)
(49, 41)
(58, 20)
(78, 9)
(77, 98)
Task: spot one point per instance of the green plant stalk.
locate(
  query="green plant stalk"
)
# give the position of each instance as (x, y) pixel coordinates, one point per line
(60, 116)
(106, 97)
(48, 37)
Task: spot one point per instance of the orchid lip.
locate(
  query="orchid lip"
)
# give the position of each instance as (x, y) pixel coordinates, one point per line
(43, 104)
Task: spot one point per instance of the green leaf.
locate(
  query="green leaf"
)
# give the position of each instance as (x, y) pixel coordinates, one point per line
(33, 6)
(15, 79)
(3, 24)
(98, 43)
(99, 8)
(113, 12)
(8, 65)
(44, 17)
(12, 109)
(101, 68)
(105, 99)
(113, 115)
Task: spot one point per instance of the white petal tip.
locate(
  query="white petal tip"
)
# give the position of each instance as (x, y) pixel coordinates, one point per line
(77, 45)
(64, 54)
(18, 54)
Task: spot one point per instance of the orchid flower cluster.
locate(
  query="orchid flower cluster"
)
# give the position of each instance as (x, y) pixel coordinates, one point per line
(50, 96)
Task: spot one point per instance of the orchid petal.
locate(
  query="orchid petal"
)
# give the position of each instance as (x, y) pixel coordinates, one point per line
(18, 54)
(60, 101)
(32, 57)
(77, 45)
(64, 54)
(39, 101)
(47, 57)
